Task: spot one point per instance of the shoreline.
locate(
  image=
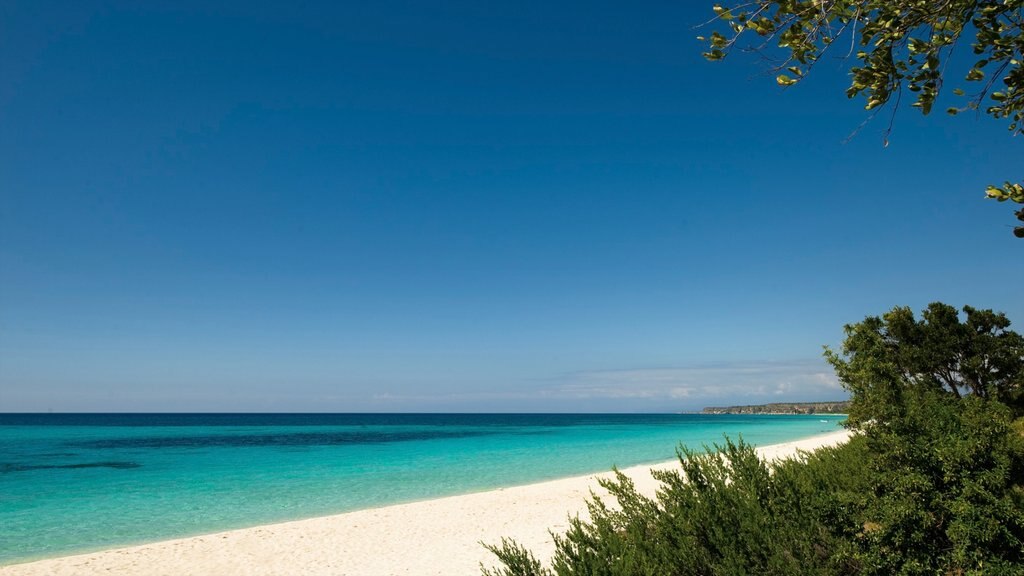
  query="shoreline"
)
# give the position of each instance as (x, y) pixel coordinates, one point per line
(437, 536)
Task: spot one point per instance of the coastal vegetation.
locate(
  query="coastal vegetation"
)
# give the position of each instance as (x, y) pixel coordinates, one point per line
(931, 483)
(903, 47)
(838, 407)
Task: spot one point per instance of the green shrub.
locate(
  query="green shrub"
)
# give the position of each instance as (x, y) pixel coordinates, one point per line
(945, 492)
(727, 513)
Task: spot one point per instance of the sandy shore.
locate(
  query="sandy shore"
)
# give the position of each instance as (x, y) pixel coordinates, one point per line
(431, 537)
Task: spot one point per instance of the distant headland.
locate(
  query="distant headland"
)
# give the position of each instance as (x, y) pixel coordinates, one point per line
(839, 407)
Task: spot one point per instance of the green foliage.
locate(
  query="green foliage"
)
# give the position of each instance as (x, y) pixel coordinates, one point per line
(901, 45)
(945, 489)
(727, 513)
(884, 358)
(516, 561)
(1008, 191)
(936, 399)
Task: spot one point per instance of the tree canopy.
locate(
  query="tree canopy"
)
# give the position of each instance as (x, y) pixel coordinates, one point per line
(883, 358)
(901, 45)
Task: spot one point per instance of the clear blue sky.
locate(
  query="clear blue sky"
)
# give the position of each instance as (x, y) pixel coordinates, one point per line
(498, 206)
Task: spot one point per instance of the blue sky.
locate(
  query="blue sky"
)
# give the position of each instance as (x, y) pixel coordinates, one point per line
(242, 206)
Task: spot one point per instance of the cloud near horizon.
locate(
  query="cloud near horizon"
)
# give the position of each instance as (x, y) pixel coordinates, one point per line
(643, 389)
(801, 380)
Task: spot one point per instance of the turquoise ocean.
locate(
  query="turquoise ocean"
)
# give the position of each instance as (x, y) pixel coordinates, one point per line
(80, 482)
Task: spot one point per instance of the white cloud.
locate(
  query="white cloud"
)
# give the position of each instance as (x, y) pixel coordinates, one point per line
(635, 389)
(806, 380)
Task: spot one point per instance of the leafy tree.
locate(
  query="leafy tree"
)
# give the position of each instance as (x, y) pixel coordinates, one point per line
(885, 357)
(935, 400)
(901, 45)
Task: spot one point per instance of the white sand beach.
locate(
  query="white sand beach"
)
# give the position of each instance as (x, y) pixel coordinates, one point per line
(439, 536)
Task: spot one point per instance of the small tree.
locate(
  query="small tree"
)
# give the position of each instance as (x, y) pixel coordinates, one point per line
(935, 399)
(883, 358)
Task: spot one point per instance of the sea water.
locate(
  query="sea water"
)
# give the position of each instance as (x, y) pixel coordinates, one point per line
(78, 482)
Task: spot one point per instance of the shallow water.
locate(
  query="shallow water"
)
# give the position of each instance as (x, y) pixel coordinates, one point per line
(72, 483)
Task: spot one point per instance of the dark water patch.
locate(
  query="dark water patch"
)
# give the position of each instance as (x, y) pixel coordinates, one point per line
(117, 465)
(363, 419)
(288, 439)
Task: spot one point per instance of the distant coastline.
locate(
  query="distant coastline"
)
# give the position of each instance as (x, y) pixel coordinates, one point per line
(837, 407)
